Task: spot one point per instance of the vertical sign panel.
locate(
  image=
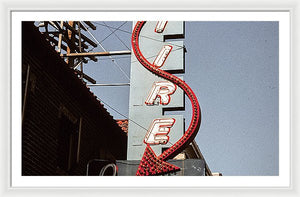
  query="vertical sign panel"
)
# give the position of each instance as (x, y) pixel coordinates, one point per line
(150, 94)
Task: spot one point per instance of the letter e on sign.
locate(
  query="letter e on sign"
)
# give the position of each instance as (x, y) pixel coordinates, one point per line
(158, 131)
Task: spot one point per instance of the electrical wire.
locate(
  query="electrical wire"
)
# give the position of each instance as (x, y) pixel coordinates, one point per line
(113, 31)
(117, 35)
(118, 29)
(137, 60)
(112, 59)
(140, 35)
(107, 103)
(126, 116)
(122, 114)
(115, 63)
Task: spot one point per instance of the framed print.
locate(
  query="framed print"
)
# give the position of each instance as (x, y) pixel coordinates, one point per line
(197, 102)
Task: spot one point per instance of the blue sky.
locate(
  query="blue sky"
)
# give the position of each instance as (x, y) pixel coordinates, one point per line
(233, 69)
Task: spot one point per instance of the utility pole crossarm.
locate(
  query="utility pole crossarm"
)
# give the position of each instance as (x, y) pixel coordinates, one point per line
(69, 27)
(89, 54)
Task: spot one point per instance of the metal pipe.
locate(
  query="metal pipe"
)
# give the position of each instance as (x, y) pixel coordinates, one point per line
(111, 84)
(90, 79)
(25, 92)
(108, 53)
(60, 38)
(88, 164)
(79, 139)
(109, 56)
(80, 49)
(90, 25)
(111, 165)
(70, 27)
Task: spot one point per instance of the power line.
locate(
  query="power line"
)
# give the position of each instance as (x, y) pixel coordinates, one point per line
(137, 60)
(111, 27)
(123, 115)
(113, 31)
(140, 34)
(127, 117)
(112, 59)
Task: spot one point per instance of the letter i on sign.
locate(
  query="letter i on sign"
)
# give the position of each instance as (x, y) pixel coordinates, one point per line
(160, 26)
(162, 56)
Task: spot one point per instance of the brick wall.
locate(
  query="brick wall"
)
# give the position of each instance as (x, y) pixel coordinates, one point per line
(56, 98)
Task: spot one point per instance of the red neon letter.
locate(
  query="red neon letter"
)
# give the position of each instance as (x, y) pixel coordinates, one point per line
(158, 131)
(162, 89)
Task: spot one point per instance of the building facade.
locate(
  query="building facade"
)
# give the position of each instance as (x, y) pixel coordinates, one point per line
(64, 125)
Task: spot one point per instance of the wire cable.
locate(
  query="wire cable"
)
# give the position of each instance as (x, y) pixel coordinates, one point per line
(112, 59)
(140, 35)
(136, 60)
(126, 117)
(113, 31)
(117, 35)
(122, 114)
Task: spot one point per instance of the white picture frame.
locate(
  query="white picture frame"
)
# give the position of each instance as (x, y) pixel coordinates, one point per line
(289, 189)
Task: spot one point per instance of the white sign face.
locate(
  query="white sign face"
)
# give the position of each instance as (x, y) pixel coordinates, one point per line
(163, 90)
(162, 56)
(158, 131)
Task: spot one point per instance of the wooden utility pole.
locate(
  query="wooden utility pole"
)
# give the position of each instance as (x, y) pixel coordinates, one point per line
(70, 40)
(80, 49)
(70, 60)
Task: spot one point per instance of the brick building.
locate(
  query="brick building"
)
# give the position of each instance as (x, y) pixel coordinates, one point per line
(64, 125)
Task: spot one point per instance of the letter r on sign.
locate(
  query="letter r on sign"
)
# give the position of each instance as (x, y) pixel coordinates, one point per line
(162, 89)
